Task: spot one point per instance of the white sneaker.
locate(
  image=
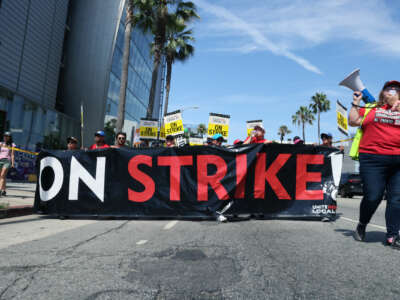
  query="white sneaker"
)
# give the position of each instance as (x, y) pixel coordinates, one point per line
(222, 219)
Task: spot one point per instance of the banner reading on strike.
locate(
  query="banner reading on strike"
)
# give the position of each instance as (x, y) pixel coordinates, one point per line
(275, 180)
(148, 129)
(173, 123)
(341, 113)
(252, 124)
(218, 123)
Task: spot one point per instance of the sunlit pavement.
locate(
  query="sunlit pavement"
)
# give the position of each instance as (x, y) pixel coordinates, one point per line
(131, 259)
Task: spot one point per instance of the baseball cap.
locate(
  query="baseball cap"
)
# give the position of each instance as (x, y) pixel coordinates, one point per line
(326, 135)
(391, 83)
(297, 140)
(72, 139)
(237, 142)
(217, 136)
(259, 127)
(7, 133)
(99, 133)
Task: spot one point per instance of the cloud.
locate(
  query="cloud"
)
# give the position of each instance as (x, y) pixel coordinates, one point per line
(233, 22)
(285, 26)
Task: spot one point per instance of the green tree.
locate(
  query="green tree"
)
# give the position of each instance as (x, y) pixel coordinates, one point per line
(282, 131)
(153, 16)
(177, 48)
(110, 131)
(302, 117)
(319, 104)
(202, 129)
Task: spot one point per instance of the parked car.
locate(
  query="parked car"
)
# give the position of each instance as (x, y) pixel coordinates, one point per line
(350, 185)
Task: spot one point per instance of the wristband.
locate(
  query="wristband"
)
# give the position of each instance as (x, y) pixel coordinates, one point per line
(355, 105)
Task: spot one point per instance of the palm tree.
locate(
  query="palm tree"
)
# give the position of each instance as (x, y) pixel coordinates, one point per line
(202, 129)
(157, 19)
(125, 64)
(303, 116)
(319, 104)
(282, 131)
(176, 48)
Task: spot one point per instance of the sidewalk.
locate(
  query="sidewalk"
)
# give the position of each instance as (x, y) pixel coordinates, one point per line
(19, 199)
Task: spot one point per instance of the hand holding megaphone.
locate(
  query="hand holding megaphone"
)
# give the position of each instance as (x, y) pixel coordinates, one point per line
(357, 96)
(354, 83)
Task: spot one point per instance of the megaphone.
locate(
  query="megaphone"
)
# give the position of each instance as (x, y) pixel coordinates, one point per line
(354, 83)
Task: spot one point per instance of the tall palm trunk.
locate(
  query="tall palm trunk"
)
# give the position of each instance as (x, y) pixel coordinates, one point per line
(125, 67)
(167, 84)
(304, 134)
(319, 131)
(159, 41)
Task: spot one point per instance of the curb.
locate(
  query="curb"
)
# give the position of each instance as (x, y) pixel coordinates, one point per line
(16, 211)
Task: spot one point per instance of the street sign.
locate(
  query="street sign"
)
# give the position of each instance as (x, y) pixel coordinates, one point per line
(341, 113)
(252, 124)
(218, 123)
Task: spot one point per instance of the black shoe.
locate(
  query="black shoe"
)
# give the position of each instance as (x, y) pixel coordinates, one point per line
(3, 193)
(395, 243)
(359, 234)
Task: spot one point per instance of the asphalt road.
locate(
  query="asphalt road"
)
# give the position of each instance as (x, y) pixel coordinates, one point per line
(44, 258)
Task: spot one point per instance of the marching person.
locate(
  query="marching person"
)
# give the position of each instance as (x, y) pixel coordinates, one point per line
(72, 143)
(298, 141)
(120, 140)
(326, 139)
(169, 141)
(6, 160)
(379, 155)
(99, 142)
(217, 139)
(257, 136)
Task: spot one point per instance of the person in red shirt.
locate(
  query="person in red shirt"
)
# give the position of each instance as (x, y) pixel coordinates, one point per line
(380, 159)
(257, 136)
(99, 141)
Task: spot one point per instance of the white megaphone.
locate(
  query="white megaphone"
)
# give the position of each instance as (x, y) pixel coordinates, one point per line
(354, 83)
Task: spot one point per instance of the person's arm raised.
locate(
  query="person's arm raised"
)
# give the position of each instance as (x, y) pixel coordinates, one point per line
(354, 115)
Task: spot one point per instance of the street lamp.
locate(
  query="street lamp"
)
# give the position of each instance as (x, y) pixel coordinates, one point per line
(188, 107)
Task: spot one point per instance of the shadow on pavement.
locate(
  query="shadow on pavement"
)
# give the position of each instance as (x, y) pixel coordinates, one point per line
(370, 237)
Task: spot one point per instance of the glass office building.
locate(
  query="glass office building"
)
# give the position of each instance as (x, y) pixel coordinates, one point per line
(94, 66)
(31, 36)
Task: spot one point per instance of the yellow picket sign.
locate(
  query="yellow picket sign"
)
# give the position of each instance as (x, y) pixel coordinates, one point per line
(174, 128)
(218, 128)
(148, 132)
(342, 121)
(162, 133)
(341, 114)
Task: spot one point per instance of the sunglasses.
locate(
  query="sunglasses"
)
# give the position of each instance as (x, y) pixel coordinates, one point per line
(121, 138)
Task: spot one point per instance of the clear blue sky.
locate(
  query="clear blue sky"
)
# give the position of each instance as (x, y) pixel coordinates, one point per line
(263, 59)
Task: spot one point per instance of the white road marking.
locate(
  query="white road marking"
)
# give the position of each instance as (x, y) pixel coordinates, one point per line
(170, 225)
(141, 242)
(354, 221)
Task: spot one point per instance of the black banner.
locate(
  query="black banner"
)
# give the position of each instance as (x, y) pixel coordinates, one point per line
(276, 180)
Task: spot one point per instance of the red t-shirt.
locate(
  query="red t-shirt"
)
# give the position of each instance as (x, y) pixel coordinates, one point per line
(381, 129)
(94, 146)
(256, 140)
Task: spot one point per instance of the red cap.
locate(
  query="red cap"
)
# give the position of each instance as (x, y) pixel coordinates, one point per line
(391, 83)
(237, 141)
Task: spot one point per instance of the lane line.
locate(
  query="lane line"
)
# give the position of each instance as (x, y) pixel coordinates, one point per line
(170, 225)
(354, 221)
(142, 242)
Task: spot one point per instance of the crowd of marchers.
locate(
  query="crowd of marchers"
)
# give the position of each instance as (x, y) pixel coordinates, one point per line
(256, 137)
